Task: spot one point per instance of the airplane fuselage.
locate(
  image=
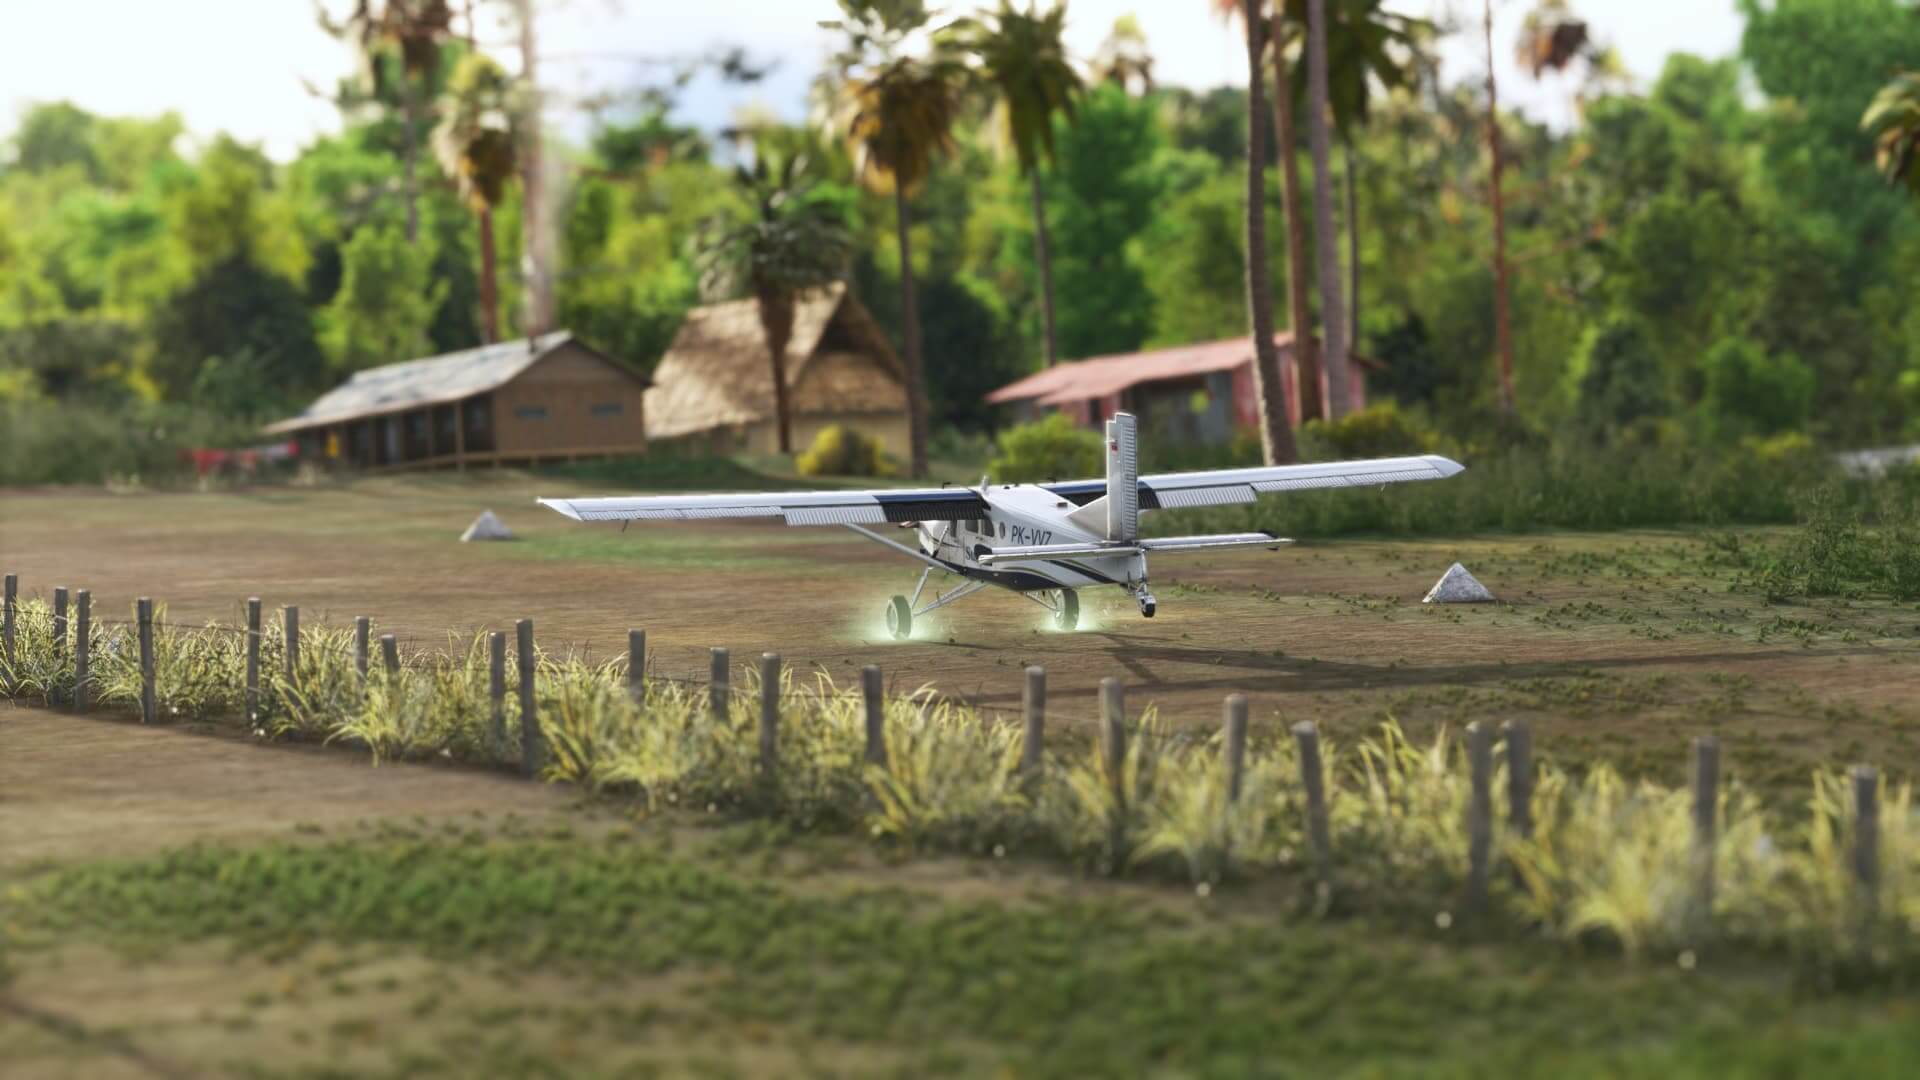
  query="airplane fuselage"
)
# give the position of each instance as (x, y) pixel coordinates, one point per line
(1027, 515)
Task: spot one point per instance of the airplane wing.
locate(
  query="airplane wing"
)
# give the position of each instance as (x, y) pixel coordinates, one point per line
(794, 507)
(1218, 487)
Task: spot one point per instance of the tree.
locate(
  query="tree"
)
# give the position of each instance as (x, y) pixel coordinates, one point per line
(475, 144)
(416, 29)
(1276, 432)
(1332, 312)
(385, 305)
(1109, 193)
(1893, 120)
(1502, 330)
(247, 316)
(794, 240)
(898, 113)
(1750, 392)
(1621, 382)
(1023, 58)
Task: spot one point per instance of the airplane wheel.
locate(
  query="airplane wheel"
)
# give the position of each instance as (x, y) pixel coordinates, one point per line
(1147, 608)
(899, 618)
(1068, 616)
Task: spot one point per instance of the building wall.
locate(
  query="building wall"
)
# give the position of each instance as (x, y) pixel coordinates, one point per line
(569, 402)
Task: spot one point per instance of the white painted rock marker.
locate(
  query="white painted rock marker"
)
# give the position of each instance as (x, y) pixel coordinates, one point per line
(486, 527)
(1456, 586)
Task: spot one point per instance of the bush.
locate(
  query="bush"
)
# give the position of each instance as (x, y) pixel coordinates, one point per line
(1380, 430)
(1750, 392)
(55, 442)
(842, 451)
(1052, 448)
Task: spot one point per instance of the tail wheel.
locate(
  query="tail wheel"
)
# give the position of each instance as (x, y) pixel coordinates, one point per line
(1067, 615)
(899, 618)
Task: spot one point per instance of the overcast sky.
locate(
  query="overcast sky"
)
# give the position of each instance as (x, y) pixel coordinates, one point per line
(241, 66)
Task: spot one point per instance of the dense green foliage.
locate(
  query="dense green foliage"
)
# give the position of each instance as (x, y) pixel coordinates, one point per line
(1049, 449)
(1693, 264)
(842, 451)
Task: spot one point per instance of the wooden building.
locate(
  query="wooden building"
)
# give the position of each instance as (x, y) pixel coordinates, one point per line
(713, 390)
(547, 398)
(1198, 393)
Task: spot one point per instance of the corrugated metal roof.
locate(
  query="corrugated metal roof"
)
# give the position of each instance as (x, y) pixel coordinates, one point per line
(432, 381)
(1099, 376)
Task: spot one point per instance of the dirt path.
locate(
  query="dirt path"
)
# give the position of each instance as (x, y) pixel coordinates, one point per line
(77, 787)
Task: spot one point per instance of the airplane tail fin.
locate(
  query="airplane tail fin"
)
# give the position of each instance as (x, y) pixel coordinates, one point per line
(1123, 478)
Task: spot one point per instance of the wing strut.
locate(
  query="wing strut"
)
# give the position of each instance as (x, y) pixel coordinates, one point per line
(901, 548)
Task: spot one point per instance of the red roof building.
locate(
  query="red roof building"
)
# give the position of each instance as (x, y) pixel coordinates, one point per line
(1188, 393)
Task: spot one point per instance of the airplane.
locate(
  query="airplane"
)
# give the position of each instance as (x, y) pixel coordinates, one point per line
(1043, 541)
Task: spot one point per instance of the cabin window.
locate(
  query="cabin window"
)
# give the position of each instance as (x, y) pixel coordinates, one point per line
(606, 408)
(531, 412)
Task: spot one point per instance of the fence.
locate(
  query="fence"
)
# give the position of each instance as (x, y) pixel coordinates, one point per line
(1132, 796)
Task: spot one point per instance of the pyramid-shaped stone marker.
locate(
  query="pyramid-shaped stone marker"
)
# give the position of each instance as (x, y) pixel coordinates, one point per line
(486, 527)
(1456, 586)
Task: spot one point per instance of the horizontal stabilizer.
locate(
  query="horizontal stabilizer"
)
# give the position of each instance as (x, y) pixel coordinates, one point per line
(1221, 542)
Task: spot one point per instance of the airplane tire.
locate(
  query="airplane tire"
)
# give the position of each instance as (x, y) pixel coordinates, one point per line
(1068, 615)
(1147, 609)
(899, 618)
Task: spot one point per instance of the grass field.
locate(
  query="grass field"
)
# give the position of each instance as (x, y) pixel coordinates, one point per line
(179, 904)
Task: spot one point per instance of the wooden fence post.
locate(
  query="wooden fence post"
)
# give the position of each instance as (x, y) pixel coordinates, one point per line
(1866, 841)
(59, 632)
(9, 599)
(1313, 783)
(1034, 706)
(1113, 744)
(873, 693)
(362, 631)
(1706, 824)
(769, 718)
(1479, 814)
(390, 653)
(532, 746)
(637, 665)
(719, 680)
(1234, 744)
(143, 615)
(292, 616)
(82, 647)
(497, 688)
(253, 658)
(1519, 778)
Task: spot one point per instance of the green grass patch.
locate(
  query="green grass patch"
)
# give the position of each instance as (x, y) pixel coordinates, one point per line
(1044, 986)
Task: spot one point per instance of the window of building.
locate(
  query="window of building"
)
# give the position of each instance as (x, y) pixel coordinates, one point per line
(531, 412)
(606, 408)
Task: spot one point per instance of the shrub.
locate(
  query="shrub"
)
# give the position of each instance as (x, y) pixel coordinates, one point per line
(1052, 448)
(1751, 392)
(842, 451)
(1621, 383)
(1380, 430)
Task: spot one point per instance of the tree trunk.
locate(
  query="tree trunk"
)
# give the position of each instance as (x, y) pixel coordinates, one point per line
(1306, 349)
(910, 335)
(1502, 335)
(407, 155)
(1044, 256)
(537, 252)
(489, 293)
(1353, 245)
(776, 321)
(1276, 432)
(1326, 243)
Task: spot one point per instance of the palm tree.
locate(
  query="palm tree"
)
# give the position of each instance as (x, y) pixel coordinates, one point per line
(1893, 119)
(1306, 349)
(1024, 60)
(1502, 330)
(416, 28)
(791, 242)
(898, 112)
(1332, 313)
(475, 144)
(1123, 58)
(1276, 433)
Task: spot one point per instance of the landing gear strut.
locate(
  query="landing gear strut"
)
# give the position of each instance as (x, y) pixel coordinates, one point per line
(1145, 599)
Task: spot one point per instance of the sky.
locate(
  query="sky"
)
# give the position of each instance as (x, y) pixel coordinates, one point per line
(244, 66)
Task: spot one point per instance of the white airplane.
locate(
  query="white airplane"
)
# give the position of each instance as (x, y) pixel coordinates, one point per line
(1043, 541)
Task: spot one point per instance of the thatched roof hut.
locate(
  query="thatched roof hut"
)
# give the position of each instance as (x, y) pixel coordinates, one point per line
(715, 382)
